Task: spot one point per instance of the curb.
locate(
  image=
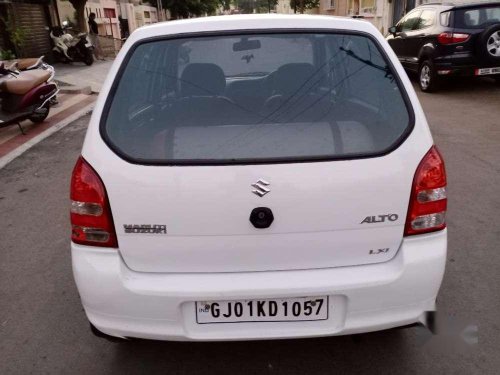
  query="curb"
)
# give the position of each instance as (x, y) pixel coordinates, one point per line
(40, 137)
(87, 90)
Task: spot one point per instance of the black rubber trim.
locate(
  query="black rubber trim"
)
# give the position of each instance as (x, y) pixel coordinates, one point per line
(475, 5)
(206, 162)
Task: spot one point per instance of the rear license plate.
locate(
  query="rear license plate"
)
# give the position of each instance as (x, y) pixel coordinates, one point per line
(486, 71)
(262, 310)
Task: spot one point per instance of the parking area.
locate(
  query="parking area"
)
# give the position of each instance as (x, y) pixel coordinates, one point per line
(43, 328)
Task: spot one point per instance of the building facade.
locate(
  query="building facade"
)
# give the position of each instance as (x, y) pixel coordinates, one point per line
(138, 14)
(380, 13)
(28, 18)
(283, 7)
(115, 18)
(333, 7)
(327, 7)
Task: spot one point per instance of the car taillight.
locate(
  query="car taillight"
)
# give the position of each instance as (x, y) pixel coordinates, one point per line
(452, 38)
(427, 208)
(91, 219)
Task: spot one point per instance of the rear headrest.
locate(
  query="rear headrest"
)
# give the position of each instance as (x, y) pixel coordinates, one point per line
(202, 80)
(467, 19)
(290, 77)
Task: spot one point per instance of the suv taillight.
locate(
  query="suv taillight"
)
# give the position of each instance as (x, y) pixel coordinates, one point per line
(452, 38)
(91, 219)
(427, 208)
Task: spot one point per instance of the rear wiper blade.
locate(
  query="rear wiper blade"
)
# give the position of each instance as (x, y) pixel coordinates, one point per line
(385, 69)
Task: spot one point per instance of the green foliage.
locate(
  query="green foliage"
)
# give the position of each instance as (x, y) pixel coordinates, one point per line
(7, 55)
(226, 4)
(191, 8)
(17, 35)
(301, 5)
(195, 8)
(265, 6)
(260, 6)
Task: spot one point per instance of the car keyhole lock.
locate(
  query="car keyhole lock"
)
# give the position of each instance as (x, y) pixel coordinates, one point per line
(261, 217)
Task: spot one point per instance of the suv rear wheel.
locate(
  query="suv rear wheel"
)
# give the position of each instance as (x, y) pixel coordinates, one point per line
(489, 44)
(427, 77)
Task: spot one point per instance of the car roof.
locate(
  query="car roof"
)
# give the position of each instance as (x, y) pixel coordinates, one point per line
(258, 22)
(452, 5)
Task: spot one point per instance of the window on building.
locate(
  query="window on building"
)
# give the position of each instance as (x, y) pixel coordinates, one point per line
(109, 13)
(331, 4)
(361, 7)
(367, 6)
(146, 14)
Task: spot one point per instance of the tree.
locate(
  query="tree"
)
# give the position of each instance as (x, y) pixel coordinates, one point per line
(190, 8)
(265, 6)
(302, 5)
(260, 6)
(79, 6)
(16, 35)
(226, 4)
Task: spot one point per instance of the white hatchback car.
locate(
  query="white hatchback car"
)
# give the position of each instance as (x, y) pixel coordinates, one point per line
(254, 177)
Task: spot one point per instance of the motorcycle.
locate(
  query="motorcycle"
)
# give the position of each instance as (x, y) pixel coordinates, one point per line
(69, 48)
(25, 95)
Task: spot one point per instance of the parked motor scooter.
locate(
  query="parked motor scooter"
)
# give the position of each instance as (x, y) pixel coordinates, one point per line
(25, 95)
(31, 63)
(69, 48)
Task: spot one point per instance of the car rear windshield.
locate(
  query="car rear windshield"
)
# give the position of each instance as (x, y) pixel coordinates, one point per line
(478, 18)
(255, 98)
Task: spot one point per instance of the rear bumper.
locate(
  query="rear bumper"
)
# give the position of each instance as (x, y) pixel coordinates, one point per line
(124, 303)
(460, 65)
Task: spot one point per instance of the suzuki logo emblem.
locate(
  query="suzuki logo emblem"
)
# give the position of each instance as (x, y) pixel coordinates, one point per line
(261, 188)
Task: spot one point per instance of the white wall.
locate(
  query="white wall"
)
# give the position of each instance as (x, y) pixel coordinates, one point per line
(283, 7)
(66, 11)
(135, 13)
(127, 12)
(378, 12)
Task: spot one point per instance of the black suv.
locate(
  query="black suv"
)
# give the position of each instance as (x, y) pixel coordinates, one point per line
(438, 40)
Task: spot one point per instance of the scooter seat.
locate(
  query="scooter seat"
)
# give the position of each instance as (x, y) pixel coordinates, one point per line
(26, 63)
(24, 82)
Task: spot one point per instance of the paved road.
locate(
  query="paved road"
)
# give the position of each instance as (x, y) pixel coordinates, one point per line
(43, 328)
(80, 75)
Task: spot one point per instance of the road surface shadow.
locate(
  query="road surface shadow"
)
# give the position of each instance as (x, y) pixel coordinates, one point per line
(379, 351)
(460, 85)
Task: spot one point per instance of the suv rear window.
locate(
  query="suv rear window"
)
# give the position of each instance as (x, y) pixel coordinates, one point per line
(255, 98)
(445, 18)
(477, 18)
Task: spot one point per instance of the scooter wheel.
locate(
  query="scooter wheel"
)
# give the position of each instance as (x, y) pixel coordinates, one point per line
(89, 59)
(41, 114)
